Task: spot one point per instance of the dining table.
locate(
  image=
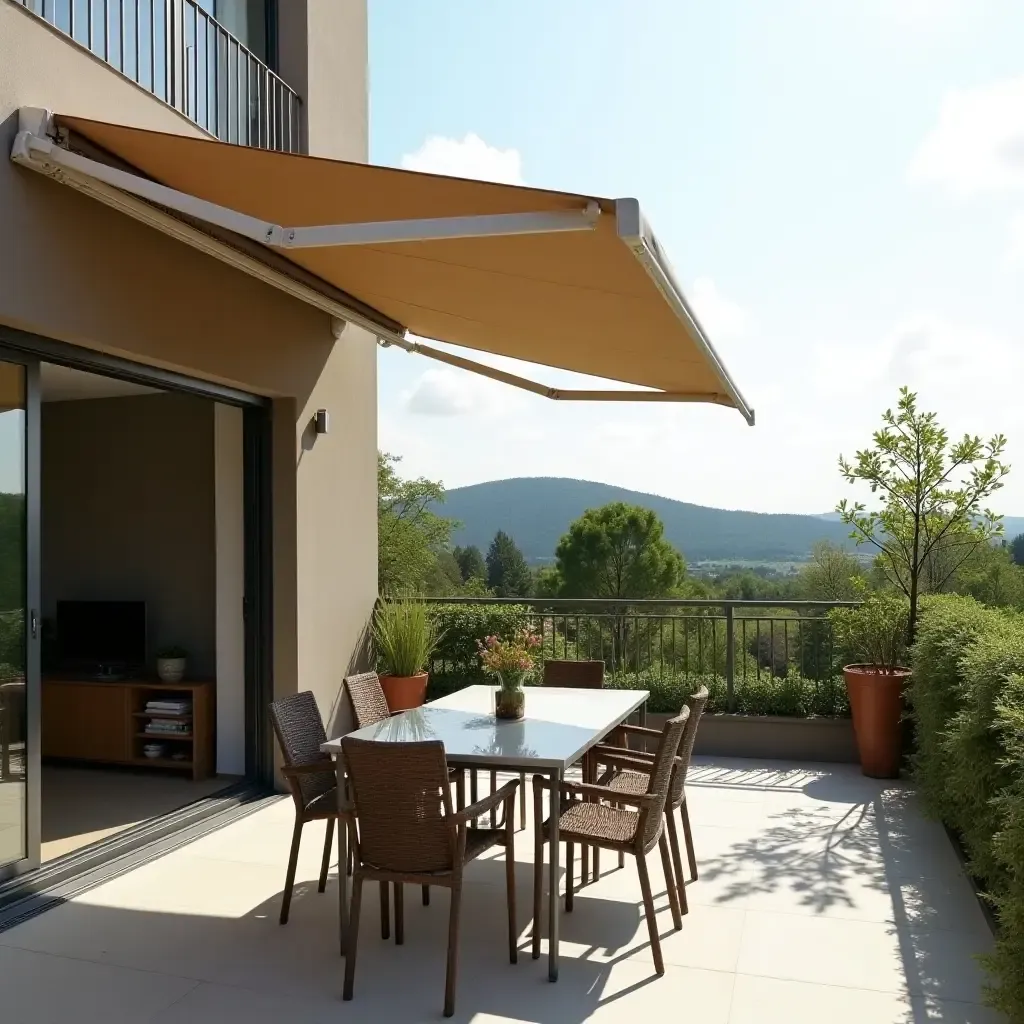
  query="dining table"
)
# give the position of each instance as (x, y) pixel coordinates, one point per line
(559, 727)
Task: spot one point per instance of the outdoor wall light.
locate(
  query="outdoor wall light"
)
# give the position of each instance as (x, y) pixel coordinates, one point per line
(322, 421)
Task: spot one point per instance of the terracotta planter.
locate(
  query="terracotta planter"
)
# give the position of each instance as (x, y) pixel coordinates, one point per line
(876, 702)
(404, 692)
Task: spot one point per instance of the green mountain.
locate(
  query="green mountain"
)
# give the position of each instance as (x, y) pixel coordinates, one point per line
(536, 511)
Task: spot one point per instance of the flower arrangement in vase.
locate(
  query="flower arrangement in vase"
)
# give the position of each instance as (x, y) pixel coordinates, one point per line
(512, 662)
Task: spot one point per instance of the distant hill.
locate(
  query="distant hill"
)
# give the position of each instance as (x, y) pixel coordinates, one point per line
(536, 511)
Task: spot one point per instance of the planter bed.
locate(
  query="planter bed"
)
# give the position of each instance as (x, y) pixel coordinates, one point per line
(772, 736)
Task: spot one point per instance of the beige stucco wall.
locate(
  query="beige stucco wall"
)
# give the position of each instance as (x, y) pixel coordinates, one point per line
(128, 514)
(331, 70)
(73, 270)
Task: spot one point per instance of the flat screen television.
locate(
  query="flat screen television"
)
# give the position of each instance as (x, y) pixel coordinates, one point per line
(101, 636)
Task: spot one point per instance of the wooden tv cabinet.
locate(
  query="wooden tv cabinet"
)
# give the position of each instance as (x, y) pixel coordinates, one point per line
(105, 723)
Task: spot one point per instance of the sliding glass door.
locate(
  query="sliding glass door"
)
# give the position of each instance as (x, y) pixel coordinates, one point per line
(19, 644)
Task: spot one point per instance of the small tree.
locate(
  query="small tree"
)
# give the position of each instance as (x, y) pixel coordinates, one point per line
(1017, 549)
(831, 574)
(618, 550)
(932, 491)
(409, 532)
(471, 563)
(508, 575)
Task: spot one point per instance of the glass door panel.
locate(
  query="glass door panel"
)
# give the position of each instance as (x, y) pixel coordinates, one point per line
(15, 768)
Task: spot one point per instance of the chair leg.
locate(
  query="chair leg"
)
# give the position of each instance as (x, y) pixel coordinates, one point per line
(622, 860)
(688, 836)
(677, 861)
(426, 895)
(327, 856)
(538, 871)
(351, 859)
(570, 852)
(399, 914)
(289, 878)
(510, 885)
(352, 944)
(385, 911)
(652, 923)
(670, 883)
(451, 974)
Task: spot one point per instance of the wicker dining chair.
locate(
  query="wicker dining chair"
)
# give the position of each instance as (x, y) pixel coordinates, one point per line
(408, 832)
(584, 819)
(633, 779)
(370, 706)
(366, 697)
(311, 779)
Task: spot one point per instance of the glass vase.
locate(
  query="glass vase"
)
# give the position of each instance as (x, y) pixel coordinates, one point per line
(510, 697)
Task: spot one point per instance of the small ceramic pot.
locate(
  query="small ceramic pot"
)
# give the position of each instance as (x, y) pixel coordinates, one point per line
(170, 670)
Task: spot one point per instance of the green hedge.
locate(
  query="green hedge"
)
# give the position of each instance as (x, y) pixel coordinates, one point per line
(793, 696)
(967, 697)
(461, 626)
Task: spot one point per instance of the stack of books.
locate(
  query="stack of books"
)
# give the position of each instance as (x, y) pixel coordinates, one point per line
(166, 727)
(171, 706)
(166, 711)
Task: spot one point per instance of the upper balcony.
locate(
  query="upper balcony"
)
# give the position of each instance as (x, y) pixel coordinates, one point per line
(214, 71)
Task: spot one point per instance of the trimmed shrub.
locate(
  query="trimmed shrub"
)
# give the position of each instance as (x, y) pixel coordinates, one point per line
(967, 696)
(462, 625)
(948, 625)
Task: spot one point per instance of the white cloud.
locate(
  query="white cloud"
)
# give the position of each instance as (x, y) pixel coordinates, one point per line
(469, 157)
(720, 316)
(444, 391)
(978, 143)
(1015, 248)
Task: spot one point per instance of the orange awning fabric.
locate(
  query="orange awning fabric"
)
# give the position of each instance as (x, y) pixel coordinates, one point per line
(568, 281)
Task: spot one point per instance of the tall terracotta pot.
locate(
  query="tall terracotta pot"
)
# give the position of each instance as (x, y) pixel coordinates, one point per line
(404, 692)
(876, 702)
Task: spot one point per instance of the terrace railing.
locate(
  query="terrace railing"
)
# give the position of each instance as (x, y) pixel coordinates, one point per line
(185, 57)
(738, 641)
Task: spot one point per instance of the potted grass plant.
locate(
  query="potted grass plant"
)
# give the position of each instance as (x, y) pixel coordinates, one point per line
(876, 632)
(404, 637)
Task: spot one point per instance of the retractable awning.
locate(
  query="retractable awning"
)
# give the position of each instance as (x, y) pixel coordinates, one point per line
(573, 282)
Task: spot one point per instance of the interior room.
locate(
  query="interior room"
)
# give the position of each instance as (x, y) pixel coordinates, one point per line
(142, 587)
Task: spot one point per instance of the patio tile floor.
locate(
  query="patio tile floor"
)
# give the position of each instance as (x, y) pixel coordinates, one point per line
(823, 896)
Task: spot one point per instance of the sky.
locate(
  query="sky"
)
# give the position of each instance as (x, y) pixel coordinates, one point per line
(839, 185)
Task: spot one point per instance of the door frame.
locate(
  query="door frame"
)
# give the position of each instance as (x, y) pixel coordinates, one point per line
(30, 350)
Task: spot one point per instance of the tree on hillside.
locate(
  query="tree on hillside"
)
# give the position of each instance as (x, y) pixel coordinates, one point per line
(471, 563)
(1017, 549)
(508, 575)
(618, 550)
(830, 574)
(932, 493)
(409, 533)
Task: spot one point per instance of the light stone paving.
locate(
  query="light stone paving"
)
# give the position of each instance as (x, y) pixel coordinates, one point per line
(823, 897)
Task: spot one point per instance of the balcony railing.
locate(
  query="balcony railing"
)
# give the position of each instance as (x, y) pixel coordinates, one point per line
(740, 642)
(181, 54)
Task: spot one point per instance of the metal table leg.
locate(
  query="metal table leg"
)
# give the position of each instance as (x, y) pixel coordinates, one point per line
(342, 860)
(642, 714)
(555, 780)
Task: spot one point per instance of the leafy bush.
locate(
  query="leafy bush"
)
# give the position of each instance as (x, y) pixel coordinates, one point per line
(947, 627)
(460, 626)
(793, 696)
(967, 696)
(874, 632)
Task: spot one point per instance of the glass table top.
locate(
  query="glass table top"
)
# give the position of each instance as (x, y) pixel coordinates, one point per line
(559, 727)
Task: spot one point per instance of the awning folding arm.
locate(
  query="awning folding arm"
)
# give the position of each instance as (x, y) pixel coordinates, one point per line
(140, 198)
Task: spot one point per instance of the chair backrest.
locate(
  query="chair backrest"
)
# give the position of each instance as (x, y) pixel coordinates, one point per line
(300, 732)
(584, 675)
(696, 702)
(661, 774)
(369, 705)
(403, 804)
